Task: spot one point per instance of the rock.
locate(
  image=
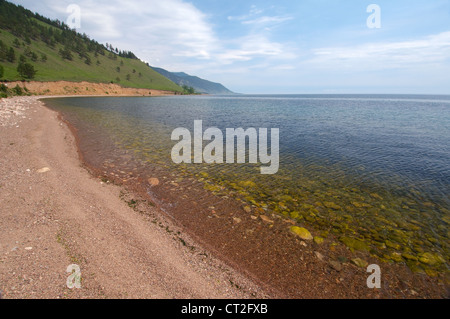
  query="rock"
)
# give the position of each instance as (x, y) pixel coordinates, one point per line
(266, 219)
(248, 209)
(247, 184)
(392, 245)
(319, 256)
(28, 248)
(303, 233)
(409, 257)
(43, 170)
(319, 240)
(332, 205)
(431, 259)
(360, 262)
(336, 265)
(354, 243)
(153, 181)
(396, 257)
(303, 244)
(237, 220)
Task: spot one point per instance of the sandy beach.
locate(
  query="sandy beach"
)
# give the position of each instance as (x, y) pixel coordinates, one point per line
(54, 214)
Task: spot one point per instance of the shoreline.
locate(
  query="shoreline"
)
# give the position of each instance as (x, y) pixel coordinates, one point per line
(312, 278)
(84, 88)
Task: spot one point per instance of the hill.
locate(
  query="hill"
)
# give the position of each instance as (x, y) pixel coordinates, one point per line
(200, 85)
(33, 47)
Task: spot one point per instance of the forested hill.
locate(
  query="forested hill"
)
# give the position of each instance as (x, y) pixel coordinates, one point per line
(33, 47)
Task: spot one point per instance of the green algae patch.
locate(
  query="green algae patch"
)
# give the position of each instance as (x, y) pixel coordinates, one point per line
(319, 240)
(354, 243)
(332, 205)
(301, 232)
(431, 259)
(360, 262)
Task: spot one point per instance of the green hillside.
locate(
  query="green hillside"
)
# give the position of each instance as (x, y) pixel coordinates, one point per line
(57, 53)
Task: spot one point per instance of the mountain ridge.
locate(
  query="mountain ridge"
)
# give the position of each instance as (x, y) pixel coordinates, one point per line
(200, 85)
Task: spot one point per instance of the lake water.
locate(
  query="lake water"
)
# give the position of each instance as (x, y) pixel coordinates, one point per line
(371, 168)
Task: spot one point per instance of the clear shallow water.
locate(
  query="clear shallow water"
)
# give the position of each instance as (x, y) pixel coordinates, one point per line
(372, 168)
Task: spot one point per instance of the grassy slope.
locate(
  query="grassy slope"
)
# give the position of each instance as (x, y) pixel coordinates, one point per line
(57, 69)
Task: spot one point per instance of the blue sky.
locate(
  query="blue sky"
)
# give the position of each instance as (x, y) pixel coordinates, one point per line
(301, 46)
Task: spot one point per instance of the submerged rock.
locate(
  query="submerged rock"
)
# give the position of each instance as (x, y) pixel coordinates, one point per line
(431, 259)
(301, 232)
(332, 205)
(266, 219)
(336, 265)
(153, 181)
(354, 243)
(319, 240)
(360, 262)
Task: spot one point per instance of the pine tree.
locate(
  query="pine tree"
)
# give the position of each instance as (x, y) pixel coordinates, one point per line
(11, 55)
(26, 70)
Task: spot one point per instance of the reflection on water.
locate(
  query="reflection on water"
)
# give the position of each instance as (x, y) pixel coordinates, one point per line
(372, 170)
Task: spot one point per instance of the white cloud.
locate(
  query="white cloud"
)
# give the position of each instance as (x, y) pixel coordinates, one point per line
(433, 49)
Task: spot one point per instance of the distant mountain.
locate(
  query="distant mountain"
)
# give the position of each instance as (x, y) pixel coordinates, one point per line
(200, 85)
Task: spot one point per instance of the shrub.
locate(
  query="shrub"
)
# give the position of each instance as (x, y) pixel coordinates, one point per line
(18, 90)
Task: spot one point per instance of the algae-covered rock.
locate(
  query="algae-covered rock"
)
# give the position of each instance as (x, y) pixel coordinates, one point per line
(409, 257)
(360, 262)
(397, 257)
(332, 205)
(354, 243)
(294, 215)
(247, 184)
(392, 245)
(301, 232)
(431, 259)
(319, 240)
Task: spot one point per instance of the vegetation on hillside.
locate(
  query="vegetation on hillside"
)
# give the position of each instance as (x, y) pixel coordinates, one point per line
(33, 47)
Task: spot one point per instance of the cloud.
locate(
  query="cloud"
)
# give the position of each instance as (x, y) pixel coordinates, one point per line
(433, 49)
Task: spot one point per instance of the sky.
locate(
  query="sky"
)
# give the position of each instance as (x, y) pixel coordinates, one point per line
(278, 47)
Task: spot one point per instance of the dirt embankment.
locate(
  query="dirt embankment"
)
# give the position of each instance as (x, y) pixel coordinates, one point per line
(84, 88)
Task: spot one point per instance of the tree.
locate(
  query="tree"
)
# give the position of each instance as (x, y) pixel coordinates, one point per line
(188, 89)
(128, 77)
(2, 71)
(66, 54)
(11, 55)
(43, 57)
(26, 70)
(34, 57)
(118, 69)
(16, 43)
